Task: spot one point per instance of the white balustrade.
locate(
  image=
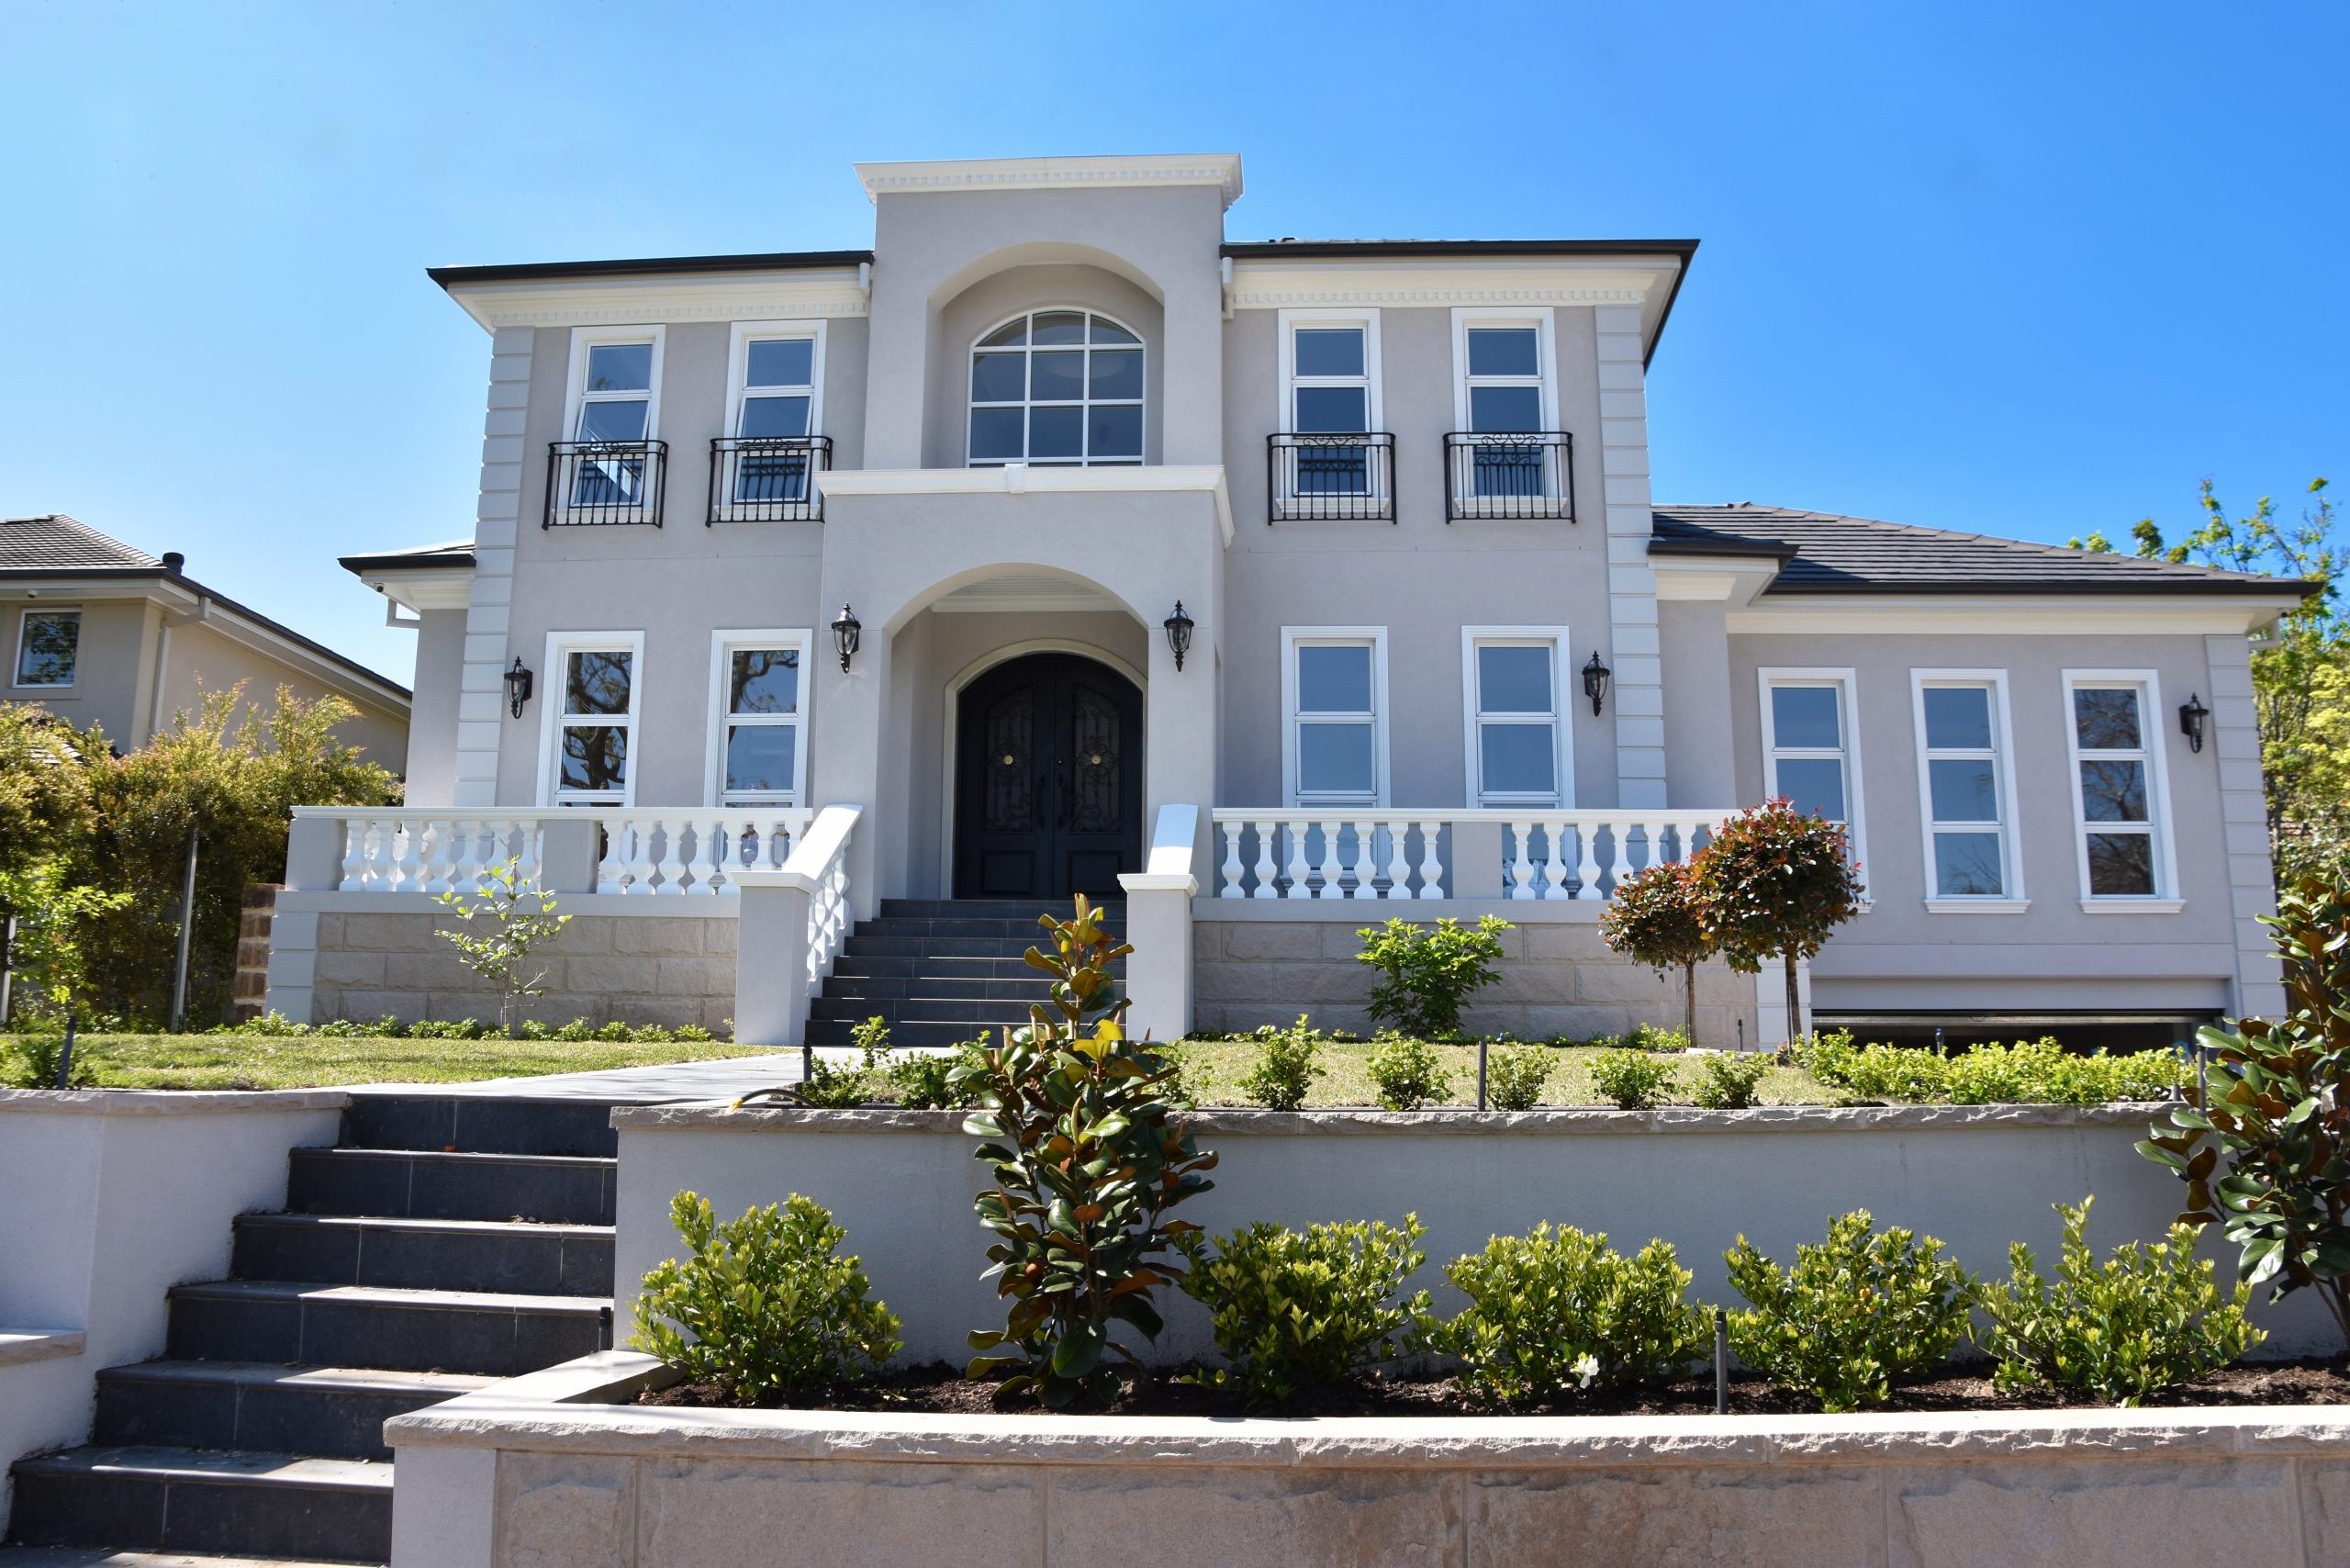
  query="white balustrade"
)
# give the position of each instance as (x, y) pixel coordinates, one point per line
(824, 856)
(423, 850)
(1583, 855)
(1399, 855)
(689, 851)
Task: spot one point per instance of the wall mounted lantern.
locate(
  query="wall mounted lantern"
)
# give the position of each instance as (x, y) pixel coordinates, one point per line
(1595, 683)
(1179, 633)
(847, 630)
(2191, 717)
(518, 686)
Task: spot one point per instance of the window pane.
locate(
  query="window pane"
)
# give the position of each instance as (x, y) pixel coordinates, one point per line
(758, 756)
(996, 433)
(1505, 408)
(620, 367)
(597, 682)
(1106, 331)
(1805, 716)
(1958, 717)
(764, 680)
(1966, 866)
(2106, 718)
(1963, 789)
(1011, 333)
(46, 655)
(1055, 432)
(1334, 679)
(1057, 377)
(595, 757)
(1329, 351)
(1325, 408)
(1504, 351)
(1335, 759)
(1059, 327)
(1116, 432)
(1518, 759)
(2114, 791)
(774, 417)
(1513, 679)
(999, 377)
(782, 362)
(1117, 374)
(2122, 865)
(1816, 784)
(616, 419)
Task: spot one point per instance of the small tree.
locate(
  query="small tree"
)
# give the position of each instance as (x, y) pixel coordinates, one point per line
(514, 917)
(1652, 920)
(1776, 883)
(1430, 971)
(52, 912)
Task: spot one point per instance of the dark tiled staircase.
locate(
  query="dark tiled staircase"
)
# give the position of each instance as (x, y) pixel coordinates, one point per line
(441, 1244)
(939, 971)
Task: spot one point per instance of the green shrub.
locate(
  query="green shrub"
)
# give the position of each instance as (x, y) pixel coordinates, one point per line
(651, 1035)
(30, 1062)
(692, 1032)
(1408, 1073)
(506, 919)
(1299, 1310)
(2148, 1319)
(764, 1306)
(616, 1031)
(1288, 1062)
(924, 1080)
(1654, 1038)
(340, 1029)
(441, 1030)
(1429, 972)
(1553, 1312)
(830, 1086)
(1729, 1082)
(2034, 1072)
(531, 1029)
(272, 1026)
(1856, 1312)
(1515, 1076)
(1632, 1081)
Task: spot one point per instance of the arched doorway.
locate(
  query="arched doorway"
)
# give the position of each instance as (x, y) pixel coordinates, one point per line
(1047, 780)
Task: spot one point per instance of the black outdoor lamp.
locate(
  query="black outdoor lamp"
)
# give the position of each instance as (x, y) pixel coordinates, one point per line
(1595, 683)
(1179, 633)
(518, 688)
(847, 629)
(2191, 716)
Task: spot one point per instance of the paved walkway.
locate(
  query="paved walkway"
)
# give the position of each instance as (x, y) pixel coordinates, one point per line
(727, 1078)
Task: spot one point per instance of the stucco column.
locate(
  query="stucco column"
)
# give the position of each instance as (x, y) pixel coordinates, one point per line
(1180, 720)
(1637, 697)
(771, 958)
(844, 759)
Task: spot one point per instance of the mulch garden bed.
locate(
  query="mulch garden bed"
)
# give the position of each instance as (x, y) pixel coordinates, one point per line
(938, 1390)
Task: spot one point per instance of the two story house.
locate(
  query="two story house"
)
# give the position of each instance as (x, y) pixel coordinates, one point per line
(1058, 543)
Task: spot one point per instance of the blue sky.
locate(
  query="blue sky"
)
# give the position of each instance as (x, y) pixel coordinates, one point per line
(2028, 269)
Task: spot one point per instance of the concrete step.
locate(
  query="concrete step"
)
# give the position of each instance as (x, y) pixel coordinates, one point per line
(411, 1184)
(836, 1032)
(401, 1331)
(1023, 910)
(332, 1412)
(477, 1124)
(425, 1254)
(172, 1499)
(107, 1557)
(1025, 930)
(926, 1010)
(866, 943)
(889, 969)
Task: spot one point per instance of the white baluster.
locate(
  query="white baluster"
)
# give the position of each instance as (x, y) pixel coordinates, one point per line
(354, 855)
(1521, 867)
(1300, 884)
(1268, 868)
(1399, 862)
(1431, 863)
(407, 873)
(440, 848)
(1587, 867)
(638, 865)
(697, 868)
(1231, 872)
(1366, 858)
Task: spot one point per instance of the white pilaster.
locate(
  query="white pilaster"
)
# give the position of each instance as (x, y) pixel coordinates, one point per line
(1639, 681)
(2244, 818)
(497, 520)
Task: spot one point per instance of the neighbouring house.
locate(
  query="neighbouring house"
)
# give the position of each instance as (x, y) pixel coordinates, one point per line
(835, 607)
(98, 633)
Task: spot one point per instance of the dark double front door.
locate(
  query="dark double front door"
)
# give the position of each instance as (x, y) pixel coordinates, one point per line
(1047, 780)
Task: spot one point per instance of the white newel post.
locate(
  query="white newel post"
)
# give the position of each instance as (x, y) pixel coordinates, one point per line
(771, 958)
(1477, 853)
(570, 847)
(1158, 927)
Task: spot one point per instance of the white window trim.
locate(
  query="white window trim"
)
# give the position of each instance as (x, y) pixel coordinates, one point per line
(2153, 741)
(1856, 826)
(2003, 730)
(1542, 318)
(1296, 637)
(1562, 715)
(575, 392)
(551, 715)
(1374, 500)
(738, 367)
(1027, 404)
(17, 650)
(722, 646)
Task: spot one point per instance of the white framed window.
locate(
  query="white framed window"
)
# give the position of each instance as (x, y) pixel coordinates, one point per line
(1505, 385)
(774, 380)
(590, 738)
(1057, 389)
(758, 702)
(1966, 790)
(1519, 753)
(1811, 747)
(1330, 390)
(49, 645)
(612, 399)
(2120, 790)
(1334, 701)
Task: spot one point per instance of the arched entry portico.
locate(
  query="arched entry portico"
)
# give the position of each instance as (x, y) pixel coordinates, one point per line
(1048, 786)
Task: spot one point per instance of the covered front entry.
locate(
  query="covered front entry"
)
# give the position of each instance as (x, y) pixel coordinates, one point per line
(1048, 780)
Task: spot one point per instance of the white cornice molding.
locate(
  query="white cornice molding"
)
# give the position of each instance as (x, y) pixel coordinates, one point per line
(2005, 615)
(722, 297)
(1221, 169)
(1275, 284)
(1019, 479)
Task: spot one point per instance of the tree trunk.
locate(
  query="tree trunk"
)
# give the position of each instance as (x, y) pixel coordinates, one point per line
(1795, 1003)
(1689, 1002)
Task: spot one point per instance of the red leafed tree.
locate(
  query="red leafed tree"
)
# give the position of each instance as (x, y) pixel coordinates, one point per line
(1776, 883)
(1652, 920)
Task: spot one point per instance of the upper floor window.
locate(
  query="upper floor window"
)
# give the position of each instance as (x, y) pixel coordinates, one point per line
(1334, 683)
(609, 471)
(761, 468)
(755, 755)
(1517, 744)
(1964, 786)
(2118, 786)
(612, 385)
(1058, 390)
(1506, 456)
(1329, 459)
(592, 723)
(47, 641)
(1811, 751)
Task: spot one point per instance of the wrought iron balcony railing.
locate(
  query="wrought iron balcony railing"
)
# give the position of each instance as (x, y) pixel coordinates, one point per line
(605, 483)
(1331, 475)
(768, 479)
(1516, 474)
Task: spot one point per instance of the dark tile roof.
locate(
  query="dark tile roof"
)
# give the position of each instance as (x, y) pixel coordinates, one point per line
(57, 542)
(1822, 552)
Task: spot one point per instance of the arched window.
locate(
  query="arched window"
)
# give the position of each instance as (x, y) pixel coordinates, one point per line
(1058, 390)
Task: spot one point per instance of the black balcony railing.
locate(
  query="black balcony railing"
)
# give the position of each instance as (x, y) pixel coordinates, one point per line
(1331, 475)
(768, 479)
(1516, 474)
(605, 483)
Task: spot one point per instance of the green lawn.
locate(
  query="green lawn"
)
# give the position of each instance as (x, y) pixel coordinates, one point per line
(309, 1061)
(1213, 1069)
